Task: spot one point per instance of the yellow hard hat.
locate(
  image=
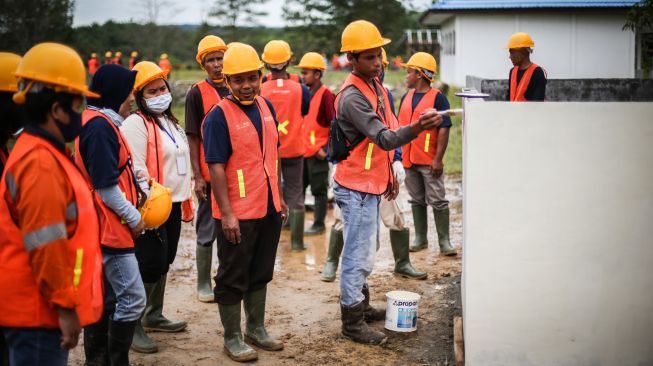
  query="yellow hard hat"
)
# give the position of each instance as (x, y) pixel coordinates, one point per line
(93, 55)
(240, 58)
(384, 58)
(55, 65)
(520, 40)
(276, 52)
(422, 60)
(134, 54)
(157, 207)
(118, 53)
(312, 60)
(8, 64)
(164, 56)
(361, 35)
(209, 44)
(147, 71)
(107, 54)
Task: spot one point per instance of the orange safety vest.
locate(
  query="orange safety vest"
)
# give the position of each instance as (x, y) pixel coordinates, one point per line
(3, 158)
(165, 65)
(154, 162)
(368, 167)
(249, 170)
(132, 62)
(114, 231)
(293, 77)
(421, 150)
(315, 136)
(22, 304)
(210, 97)
(286, 97)
(93, 65)
(517, 91)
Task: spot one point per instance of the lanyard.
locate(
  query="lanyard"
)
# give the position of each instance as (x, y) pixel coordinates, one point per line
(171, 135)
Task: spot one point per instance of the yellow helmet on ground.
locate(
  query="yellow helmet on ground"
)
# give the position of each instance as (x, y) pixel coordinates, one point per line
(108, 54)
(209, 44)
(520, 40)
(157, 207)
(276, 52)
(147, 71)
(312, 60)
(54, 65)
(8, 65)
(384, 58)
(361, 35)
(134, 54)
(424, 63)
(240, 58)
(164, 56)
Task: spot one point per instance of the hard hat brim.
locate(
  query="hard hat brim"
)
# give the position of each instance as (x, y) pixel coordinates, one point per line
(229, 73)
(59, 86)
(200, 55)
(160, 75)
(383, 42)
(311, 67)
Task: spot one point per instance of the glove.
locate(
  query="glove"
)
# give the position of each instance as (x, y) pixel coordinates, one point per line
(400, 173)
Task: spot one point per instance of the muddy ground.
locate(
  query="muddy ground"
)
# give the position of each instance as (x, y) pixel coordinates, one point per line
(304, 312)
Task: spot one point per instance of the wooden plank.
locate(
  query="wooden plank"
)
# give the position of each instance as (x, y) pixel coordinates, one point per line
(458, 341)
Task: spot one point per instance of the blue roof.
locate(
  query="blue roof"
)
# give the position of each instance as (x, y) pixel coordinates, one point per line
(445, 5)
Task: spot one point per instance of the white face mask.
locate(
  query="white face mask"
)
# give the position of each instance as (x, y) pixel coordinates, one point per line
(159, 104)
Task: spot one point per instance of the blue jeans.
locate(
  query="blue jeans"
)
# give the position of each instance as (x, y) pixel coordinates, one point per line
(124, 286)
(35, 347)
(360, 215)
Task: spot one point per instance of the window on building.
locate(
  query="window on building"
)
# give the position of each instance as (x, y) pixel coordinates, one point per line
(449, 43)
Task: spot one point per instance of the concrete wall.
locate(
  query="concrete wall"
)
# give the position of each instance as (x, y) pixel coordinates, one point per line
(567, 45)
(558, 241)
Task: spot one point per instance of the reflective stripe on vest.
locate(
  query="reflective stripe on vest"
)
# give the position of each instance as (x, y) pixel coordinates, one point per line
(210, 97)
(517, 91)
(113, 230)
(286, 98)
(368, 167)
(420, 151)
(315, 136)
(22, 304)
(250, 170)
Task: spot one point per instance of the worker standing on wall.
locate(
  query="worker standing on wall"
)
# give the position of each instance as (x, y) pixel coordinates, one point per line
(365, 116)
(200, 99)
(423, 157)
(526, 80)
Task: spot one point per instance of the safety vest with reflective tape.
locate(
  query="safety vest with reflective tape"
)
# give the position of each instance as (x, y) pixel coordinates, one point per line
(421, 150)
(210, 97)
(3, 160)
(368, 167)
(22, 304)
(250, 170)
(517, 91)
(114, 232)
(154, 163)
(315, 136)
(293, 77)
(286, 98)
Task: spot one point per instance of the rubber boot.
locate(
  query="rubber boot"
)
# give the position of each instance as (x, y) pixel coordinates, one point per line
(319, 213)
(234, 346)
(370, 314)
(355, 328)
(204, 257)
(96, 341)
(442, 226)
(421, 228)
(255, 333)
(141, 342)
(336, 242)
(120, 339)
(297, 229)
(153, 319)
(399, 242)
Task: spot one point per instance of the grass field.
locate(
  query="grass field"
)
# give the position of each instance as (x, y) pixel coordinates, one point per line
(395, 79)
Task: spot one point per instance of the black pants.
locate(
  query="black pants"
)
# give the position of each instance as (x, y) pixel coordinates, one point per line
(316, 174)
(157, 249)
(249, 265)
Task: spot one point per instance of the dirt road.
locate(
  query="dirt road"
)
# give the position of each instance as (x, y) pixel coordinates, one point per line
(304, 312)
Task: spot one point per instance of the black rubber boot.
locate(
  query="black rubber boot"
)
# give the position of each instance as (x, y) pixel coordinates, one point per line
(319, 213)
(255, 332)
(442, 226)
(399, 242)
(336, 242)
(355, 328)
(96, 342)
(120, 339)
(369, 312)
(296, 229)
(421, 228)
(234, 346)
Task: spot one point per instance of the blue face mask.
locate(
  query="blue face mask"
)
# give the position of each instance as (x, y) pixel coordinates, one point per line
(71, 130)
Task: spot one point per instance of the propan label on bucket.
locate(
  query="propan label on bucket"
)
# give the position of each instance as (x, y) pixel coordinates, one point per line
(401, 312)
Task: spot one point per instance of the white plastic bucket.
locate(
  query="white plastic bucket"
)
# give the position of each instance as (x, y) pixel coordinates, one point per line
(401, 312)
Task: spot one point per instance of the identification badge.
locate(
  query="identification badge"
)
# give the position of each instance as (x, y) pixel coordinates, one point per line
(181, 165)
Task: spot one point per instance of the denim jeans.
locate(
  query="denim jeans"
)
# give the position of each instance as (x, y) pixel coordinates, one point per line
(360, 215)
(35, 347)
(124, 286)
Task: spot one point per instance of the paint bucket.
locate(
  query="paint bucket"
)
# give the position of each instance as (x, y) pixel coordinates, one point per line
(401, 312)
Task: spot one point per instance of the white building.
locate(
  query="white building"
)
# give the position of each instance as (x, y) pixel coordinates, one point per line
(573, 39)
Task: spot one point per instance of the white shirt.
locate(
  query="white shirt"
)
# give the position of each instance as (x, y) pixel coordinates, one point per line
(135, 132)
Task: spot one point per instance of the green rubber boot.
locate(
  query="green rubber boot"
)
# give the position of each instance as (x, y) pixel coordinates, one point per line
(442, 226)
(255, 332)
(141, 342)
(153, 319)
(421, 228)
(203, 257)
(297, 229)
(399, 242)
(234, 346)
(319, 213)
(336, 242)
